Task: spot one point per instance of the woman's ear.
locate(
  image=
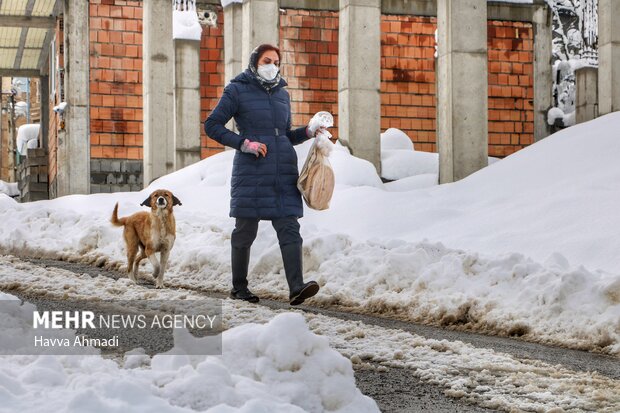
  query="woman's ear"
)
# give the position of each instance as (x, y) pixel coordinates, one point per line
(146, 202)
(176, 201)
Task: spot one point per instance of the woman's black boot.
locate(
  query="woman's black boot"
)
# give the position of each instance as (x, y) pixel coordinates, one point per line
(240, 261)
(292, 256)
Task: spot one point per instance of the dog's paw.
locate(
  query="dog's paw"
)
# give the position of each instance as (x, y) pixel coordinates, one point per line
(133, 278)
(159, 284)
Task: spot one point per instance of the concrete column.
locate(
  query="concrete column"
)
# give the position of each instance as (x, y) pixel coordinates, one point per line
(586, 106)
(462, 84)
(233, 41)
(158, 87)
(543, 77)
(608, 56)
(233, 47)
(187, 102)
(74, 144)
(359, 78)
(261, 24)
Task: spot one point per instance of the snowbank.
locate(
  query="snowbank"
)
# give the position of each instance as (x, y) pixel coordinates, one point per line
(277, 367)
(9, 188)
(400, 160)
(464, 371)
(542, 222)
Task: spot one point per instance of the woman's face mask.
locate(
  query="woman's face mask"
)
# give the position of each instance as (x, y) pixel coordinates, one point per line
(268, 72)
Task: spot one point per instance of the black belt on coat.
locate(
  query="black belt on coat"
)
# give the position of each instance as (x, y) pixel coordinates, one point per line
(266, 131)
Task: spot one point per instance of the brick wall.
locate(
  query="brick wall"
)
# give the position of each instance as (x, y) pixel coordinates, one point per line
(511, 91)
(408, 82)
(309, 47)
(116, 79)
(408, 78)
(309, 42)
(211, 79)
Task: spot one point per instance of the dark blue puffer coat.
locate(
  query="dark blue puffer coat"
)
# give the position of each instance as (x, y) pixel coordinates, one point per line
(263, 187)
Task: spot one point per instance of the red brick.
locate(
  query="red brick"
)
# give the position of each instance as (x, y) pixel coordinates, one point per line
(128, 12)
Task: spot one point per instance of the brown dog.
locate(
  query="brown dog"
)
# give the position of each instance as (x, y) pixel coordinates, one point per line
(149, 232)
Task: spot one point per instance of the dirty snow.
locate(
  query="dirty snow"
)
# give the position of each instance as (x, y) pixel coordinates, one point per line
(279, 366)
(482, 376)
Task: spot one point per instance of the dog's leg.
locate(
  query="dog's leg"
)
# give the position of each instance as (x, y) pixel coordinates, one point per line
(131, 256)
(159, 281)
(156, 267)
(139, 258)
(131, 242)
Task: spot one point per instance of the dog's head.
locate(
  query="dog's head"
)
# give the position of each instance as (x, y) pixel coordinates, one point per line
(161, 199)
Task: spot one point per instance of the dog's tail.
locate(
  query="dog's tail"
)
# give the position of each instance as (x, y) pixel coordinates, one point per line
(115, 219)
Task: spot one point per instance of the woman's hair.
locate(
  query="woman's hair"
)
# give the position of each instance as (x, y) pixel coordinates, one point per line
(258, 52)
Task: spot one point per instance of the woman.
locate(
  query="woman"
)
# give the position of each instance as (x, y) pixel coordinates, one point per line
(264, 177)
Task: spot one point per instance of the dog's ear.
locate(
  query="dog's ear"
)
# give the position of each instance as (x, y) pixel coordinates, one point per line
(146, 202)
(176, 201)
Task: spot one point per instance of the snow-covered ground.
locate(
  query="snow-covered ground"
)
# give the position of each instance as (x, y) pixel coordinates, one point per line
(279, 366)
(527, 246)
(286, 357)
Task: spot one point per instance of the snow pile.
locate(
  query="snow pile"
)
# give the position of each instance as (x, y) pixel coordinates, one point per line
(281, 364)
(277, 367)
(27, 137)
(542, 222)
(16, 327)
(9, 188)
(402, 163)
(400, 160)
(185, 24)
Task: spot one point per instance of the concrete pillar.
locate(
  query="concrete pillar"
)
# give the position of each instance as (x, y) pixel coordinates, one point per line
(586, 106)
(261, 24)
(543, 77)
(74, 143)
(158, 87)
(462, 84)
(608, 56)
(233, 47)
(359, 78)
(233, 41)
(187, 102)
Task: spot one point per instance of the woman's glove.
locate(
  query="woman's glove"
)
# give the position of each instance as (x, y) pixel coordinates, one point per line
(255, 148)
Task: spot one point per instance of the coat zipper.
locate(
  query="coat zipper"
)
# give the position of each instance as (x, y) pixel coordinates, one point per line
(279, 189)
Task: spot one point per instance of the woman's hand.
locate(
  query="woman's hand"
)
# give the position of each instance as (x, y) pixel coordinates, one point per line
(319, 123)
(255, 148)
(313, 127)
